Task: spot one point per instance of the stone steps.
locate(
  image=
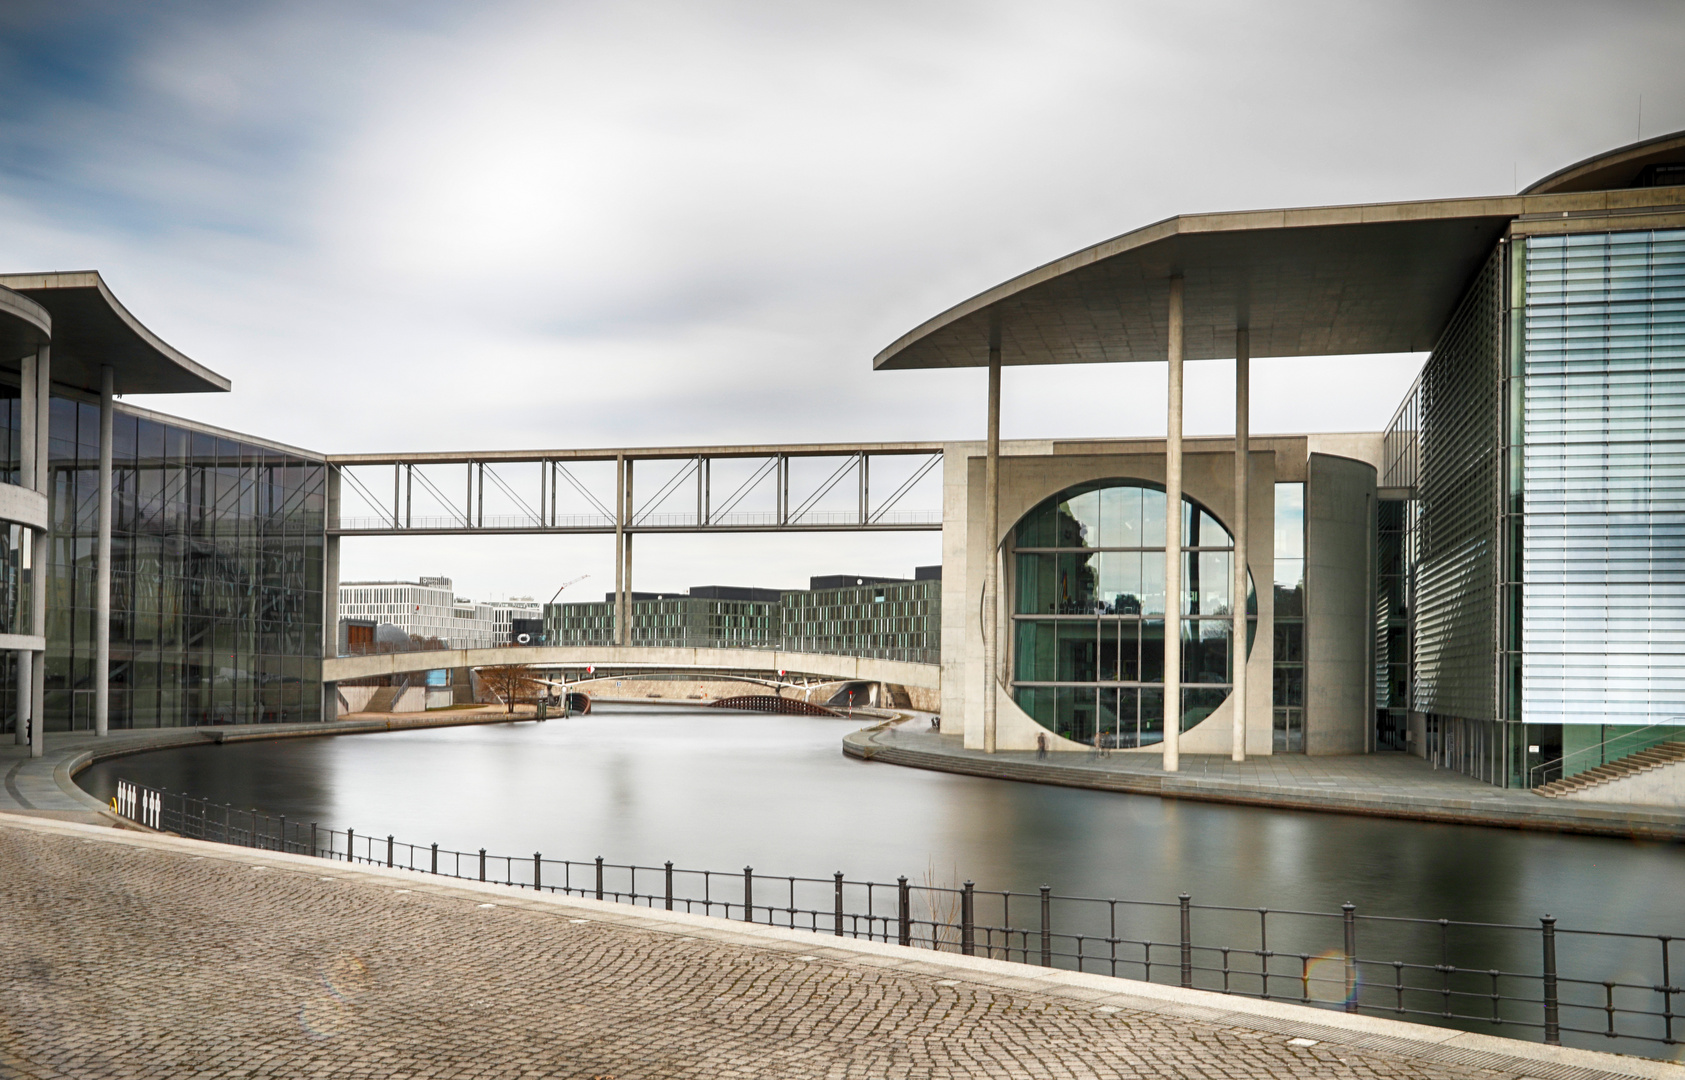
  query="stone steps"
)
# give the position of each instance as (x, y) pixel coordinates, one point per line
(1653, 757)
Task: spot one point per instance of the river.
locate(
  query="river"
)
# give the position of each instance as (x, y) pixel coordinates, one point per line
(727, 790)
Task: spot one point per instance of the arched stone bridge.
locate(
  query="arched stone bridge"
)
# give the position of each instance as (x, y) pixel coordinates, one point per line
(924, 676)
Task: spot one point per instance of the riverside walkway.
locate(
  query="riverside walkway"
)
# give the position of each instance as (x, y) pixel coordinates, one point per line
(1379, 785)
(136, 955)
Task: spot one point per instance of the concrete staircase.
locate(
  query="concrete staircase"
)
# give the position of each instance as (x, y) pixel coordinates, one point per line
(386, 696)
(1655, 757)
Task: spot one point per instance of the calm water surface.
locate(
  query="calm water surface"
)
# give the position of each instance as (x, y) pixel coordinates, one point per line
(724, 790)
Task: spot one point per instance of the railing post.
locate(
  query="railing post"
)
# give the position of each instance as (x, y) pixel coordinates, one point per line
(839, 907)
(1046, 926)
(537, 872)
(389, 851)
(1553, 1029)
(1350, 911)
(669, 884)
(748, 894)
(254, 830)
(482, 864)
(599, 877)
(968, 921)
(905, 910)
(350, 851)
(435, 865)
(283, 832)
(1187, 941)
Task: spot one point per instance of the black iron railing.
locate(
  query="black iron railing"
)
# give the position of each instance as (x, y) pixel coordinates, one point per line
(1605, 989)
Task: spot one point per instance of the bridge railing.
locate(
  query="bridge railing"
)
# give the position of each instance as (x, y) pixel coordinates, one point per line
(1596, 989)
(676, 641)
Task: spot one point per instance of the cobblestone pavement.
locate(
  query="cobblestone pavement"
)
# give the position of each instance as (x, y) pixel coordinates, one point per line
(137, 956)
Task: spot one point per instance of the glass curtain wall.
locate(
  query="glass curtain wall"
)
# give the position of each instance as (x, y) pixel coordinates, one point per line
(1088, 613)
(1603, 569)
(1288, 719)
(216, 603)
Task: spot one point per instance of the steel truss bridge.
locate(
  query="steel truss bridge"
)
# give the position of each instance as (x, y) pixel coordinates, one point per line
(831, 490)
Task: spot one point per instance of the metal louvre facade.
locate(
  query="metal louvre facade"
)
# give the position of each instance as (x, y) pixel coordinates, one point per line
(1604, 566)
(1458, 486)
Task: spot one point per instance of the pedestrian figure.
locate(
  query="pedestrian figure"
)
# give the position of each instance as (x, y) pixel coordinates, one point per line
(1041, 745)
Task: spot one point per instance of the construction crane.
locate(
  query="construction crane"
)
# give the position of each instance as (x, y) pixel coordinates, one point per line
(565, 584)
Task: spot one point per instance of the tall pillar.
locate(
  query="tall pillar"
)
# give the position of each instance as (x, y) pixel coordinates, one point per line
(1242, 480)
(330, 586)
(991, 581)
(1173, 542)
(38, 576)
(26, 479)
(102, 562)
(620, 550)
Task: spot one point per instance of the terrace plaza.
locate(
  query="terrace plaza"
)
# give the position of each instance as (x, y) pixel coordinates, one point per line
(1490, 584)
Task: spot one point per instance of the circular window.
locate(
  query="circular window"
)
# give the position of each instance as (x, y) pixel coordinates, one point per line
(1088, 613)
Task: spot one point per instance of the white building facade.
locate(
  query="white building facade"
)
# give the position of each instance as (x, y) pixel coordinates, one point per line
(430, 608)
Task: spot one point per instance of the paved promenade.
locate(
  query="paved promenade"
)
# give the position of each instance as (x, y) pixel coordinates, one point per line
(132, 955)
(1381, 785)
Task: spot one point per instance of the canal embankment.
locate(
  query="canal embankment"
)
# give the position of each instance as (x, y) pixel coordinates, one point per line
(343, 969)
(46, 786)
(1375, 785)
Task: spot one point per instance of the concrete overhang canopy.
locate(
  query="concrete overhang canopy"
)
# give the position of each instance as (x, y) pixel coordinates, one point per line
(90, 329)
(1329, 281)
(24, 327)
(1613, 169)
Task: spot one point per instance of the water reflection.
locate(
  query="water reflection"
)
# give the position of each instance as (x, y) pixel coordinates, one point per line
(724, 790)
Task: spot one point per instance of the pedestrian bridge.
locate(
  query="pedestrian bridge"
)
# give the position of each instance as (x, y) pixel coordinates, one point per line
(924, 676)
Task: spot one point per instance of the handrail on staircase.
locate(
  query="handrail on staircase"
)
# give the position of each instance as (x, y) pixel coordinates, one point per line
(1672, 721)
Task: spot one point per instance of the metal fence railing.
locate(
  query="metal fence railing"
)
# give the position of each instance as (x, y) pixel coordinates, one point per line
(1602, 989)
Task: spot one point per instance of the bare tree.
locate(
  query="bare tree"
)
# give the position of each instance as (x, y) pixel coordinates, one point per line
(510, 682)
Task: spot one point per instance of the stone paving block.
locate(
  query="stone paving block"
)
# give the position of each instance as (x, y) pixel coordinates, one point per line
(131, 955)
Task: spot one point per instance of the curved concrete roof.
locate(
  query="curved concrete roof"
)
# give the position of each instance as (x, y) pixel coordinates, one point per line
(1322, 281)
(1613, 168)
(24, 326)
(1314, 282)
(90, 328)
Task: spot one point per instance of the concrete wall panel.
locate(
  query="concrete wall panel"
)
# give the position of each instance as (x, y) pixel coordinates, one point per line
(1339, 545)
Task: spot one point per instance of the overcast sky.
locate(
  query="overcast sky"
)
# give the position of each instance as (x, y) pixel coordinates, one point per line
(415, 226)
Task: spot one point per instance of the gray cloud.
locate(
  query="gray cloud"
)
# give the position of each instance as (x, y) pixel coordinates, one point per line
(523, 224)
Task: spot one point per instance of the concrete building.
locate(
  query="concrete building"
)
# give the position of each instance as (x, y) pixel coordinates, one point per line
(1490, 582)
(428, 608)
(1494, 581)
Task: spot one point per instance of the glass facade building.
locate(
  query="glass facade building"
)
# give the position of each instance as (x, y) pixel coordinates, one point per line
(1088, 613)
(1531, 558)
(216, 588)
(883, 620)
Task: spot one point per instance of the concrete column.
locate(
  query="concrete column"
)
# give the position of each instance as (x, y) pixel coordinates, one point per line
(38, 576)
(102, 579)
(25, 694)
(26, 479)
(991, 581)
(619, 550)
(330, 588)
(1242, 478)
(1173, 542)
